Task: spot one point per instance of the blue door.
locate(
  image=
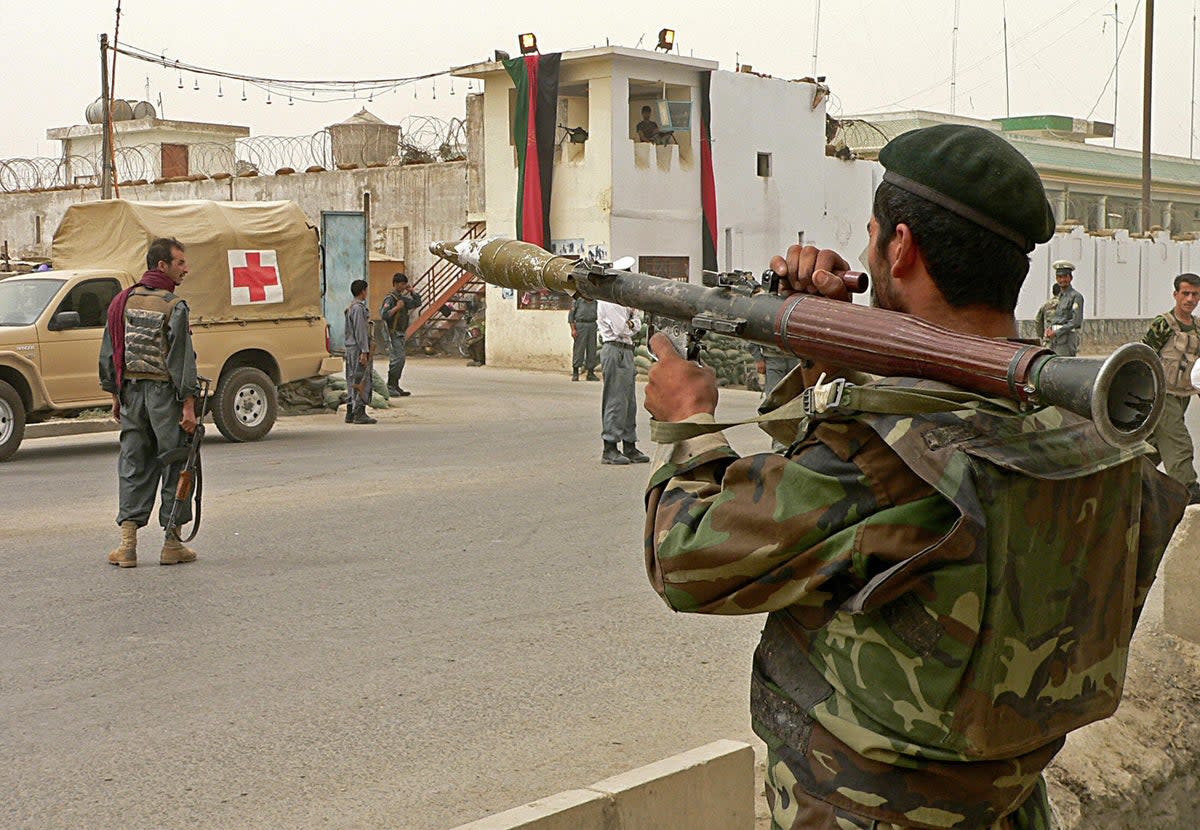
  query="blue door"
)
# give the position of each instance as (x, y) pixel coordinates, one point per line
(343, 260)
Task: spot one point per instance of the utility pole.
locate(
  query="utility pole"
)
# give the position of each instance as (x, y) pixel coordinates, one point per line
(816, 37)
(1004, 13)
(1116, 65)
(954, 57)
(1192, 105)
(1146, 98)
(106, 173)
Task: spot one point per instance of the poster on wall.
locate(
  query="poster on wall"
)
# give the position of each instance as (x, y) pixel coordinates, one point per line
(544, 300)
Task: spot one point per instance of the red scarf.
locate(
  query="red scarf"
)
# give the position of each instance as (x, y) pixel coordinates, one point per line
(116, 316)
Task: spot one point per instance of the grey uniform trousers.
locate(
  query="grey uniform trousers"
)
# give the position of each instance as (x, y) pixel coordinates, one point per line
(353, 375)
(150, 414)
(1066, 345)
(1173, 441)
(619, 398)
(584, 353)
(396, 359)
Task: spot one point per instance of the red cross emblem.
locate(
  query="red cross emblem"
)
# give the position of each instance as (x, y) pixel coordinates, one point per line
(256, 274)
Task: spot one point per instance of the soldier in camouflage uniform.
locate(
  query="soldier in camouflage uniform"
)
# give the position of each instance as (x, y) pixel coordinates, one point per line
(1175, 335)
(944, 600)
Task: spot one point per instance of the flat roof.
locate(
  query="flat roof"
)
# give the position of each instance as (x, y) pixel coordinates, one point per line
(868, 133)
(484, 68)
(137, 125)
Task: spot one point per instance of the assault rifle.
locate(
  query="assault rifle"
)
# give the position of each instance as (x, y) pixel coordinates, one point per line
(190, 476)
(1122, 393)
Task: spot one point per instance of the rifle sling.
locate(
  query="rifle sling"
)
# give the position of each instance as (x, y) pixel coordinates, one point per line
(880, 400)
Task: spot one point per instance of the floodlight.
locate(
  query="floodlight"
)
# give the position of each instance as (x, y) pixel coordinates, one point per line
(666, 39)
(528, 43)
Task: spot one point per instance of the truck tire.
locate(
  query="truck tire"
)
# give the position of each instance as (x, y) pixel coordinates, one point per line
(12, 421)
(245, 405)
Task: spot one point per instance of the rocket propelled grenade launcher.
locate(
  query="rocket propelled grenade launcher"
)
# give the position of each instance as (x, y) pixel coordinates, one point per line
(1122, 394)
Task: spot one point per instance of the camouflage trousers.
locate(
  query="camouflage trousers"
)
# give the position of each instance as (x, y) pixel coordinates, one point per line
(794, 809)
(1173, 441)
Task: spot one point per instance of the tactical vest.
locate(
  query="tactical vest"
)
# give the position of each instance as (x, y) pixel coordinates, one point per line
(937, 693)
(1179, 355)
(147, 314)
(399, 321)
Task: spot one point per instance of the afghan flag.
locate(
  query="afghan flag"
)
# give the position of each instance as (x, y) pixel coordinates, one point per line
(536, 77)
(708, 185)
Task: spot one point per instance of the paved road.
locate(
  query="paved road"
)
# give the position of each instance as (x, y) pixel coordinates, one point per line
(408, 625)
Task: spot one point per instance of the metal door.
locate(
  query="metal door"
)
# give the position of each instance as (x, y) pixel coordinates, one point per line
(343, 260)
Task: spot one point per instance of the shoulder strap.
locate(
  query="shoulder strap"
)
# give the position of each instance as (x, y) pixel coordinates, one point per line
(839, 398)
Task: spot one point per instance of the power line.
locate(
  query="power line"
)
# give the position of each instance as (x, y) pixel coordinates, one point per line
(1116, 63)
(292, 87)
(1033, 31)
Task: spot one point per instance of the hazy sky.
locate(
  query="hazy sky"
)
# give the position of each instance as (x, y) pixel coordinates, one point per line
(876, 55)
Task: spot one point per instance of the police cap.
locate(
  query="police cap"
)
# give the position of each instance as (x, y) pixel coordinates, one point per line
(975, 174)
(1063, 265)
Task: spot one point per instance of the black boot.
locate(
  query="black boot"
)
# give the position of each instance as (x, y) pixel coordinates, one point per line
(635, 455)
(574, 374)
(1194, 493)
(591, 375)
(612, 455)
(349, 413)
(361, 417)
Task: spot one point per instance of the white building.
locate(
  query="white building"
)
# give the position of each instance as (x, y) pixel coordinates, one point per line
(618, 196)
(146, 147)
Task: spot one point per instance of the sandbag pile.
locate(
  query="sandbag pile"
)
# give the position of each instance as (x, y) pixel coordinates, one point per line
(729, 357)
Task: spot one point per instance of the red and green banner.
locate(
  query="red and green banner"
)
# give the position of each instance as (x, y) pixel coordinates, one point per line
(708, 185)
(536, 78)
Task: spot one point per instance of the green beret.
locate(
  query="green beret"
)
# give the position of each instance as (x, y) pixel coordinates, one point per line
(976, 174)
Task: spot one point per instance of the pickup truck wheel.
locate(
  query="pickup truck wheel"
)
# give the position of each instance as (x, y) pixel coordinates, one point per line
(246, 404)
(12, 421)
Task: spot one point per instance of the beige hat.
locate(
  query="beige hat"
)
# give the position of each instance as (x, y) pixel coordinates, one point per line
(1063, 265)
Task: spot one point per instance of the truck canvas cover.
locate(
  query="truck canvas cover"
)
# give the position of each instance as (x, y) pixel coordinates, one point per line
(116, 233)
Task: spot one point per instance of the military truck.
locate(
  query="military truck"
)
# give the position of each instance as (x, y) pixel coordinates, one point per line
(254, 290)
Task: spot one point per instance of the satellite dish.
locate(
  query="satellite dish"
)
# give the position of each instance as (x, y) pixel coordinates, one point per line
(625, 263)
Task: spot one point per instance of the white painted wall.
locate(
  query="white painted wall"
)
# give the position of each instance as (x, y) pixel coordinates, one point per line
(1120, 278)
(763, 215)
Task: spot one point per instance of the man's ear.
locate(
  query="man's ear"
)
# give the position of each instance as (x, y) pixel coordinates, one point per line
(903, 248)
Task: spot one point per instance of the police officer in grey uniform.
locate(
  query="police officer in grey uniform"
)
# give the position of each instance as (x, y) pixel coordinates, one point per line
(394, 313)
(148, 366)
(582, 320)
(358, 356)
(618, 325)
(1062, 331)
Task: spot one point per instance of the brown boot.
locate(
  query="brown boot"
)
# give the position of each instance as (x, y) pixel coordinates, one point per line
(125, 556)
(174, 552)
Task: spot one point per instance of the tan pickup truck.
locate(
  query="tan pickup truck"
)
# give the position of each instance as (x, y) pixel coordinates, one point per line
(254, 290)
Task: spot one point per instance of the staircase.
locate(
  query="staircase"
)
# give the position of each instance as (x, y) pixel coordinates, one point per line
(446, 289)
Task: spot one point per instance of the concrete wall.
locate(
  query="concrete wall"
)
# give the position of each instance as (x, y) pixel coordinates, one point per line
(760, 216)
(708, 788)
(410, 205)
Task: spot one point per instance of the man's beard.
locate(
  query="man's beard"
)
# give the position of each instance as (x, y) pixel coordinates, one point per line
(883, 291)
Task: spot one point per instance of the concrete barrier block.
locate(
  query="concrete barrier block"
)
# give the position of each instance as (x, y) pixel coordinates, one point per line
(568, 810)
(1181, 578)
(708, 788)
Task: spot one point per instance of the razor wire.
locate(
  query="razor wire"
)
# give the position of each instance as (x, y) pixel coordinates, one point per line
(416, 140)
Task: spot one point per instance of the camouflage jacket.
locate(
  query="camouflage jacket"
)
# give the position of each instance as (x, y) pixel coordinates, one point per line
(947, 595)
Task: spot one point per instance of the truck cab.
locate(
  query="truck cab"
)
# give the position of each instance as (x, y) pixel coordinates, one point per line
(52, 322)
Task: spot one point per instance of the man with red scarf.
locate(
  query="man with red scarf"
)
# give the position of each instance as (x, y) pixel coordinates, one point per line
(148, 365)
